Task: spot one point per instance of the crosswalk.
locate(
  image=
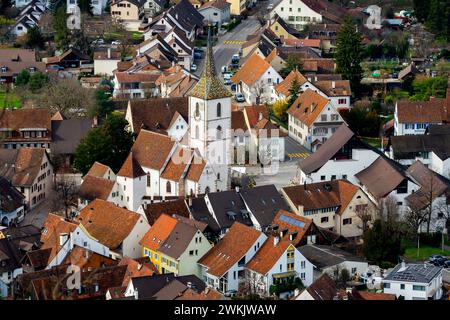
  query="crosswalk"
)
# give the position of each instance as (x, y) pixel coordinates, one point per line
(233, 42)
(298, 155)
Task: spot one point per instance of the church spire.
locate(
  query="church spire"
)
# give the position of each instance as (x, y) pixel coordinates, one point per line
(209, 86)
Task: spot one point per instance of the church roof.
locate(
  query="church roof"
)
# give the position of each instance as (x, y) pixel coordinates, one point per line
(209, 86)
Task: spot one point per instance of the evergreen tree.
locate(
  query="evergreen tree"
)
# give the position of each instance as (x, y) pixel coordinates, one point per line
(35, 38)
(421, 8)
(293, 91)
(62, 36)
(109, 144)
(349, 53)
(37, 81)
(434, 19)
(22, 78)
(85, 6)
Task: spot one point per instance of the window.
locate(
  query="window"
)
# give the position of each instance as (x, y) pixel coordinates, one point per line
(197, 110)
(322, 178)
(155, 256)
(218, 176)
(148, 179)
(418, 288)
(290, 266)
(219, 133)
(324, 219)
(168, 187)
(303, 276)
(347, 221)
(191, 252)
(219, 110)
(344, 176)
(290, 254)
(386, 285)
(333, 177)
(323, 117)
(334, 117)
(402, 286)
(197, 132)
(353, 271)
(342, 101)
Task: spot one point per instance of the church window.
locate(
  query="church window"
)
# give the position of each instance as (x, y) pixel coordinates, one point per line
(219, 110)
(168, 187)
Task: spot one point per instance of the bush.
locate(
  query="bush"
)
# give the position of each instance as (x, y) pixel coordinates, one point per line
(431, 239)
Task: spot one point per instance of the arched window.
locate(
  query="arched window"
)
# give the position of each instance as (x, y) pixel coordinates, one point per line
(207, 190)
(219, 132)
(219, 110)
(218, 176)
(197, 110)
(168, 187)
(148, 179)
(197, 132)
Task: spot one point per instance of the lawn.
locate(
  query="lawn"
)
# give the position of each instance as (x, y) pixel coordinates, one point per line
(8, 100)
(424, 253)
(374, 142)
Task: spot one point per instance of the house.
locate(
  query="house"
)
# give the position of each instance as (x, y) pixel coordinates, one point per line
(337, 91)
(29, 170)
(278, 56)
(109, 230)
(431, 148)
(168, 116)
(224, 264)
(237, 6)
(414, 117)
(26, 128)
(176, 82)
(10, 266)
(313, 119)
(337, 205)
(13, 61)
(432, 196)
(98, 6)
(254, 207)
(323, 288)
(414, 282)
(129, 12)
(299, 13)
(70, 59)
(93, 187)
(12, 204)
(154, 7)
(128, 85)
(282, 30)
(282, 89)
(175, 244)
(162, 287)
(385, 178)
(274, 264)
(303, 42)
(331, 260)
(105, 62)
(342, 156)
(28, 17)
(66, 136)
(153, 211)
(326, 33)
(256, 79)
(183, 46)
(216, 12)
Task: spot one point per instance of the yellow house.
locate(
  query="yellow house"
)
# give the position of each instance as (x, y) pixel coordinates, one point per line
(282, 29)
(237, 6)
(174, 244)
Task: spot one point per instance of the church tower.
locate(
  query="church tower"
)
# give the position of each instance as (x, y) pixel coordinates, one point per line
(210, 120)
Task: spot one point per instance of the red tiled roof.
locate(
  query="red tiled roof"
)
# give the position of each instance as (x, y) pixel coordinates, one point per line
(268, 255)
(307, 107)
(251, 71)
(152, 149)
(131, 168)
(159, 232)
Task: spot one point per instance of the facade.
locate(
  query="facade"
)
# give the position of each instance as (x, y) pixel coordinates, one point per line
(12, 204)
(414, 282)
(137, 85)
(105, 62)
(129, 12)
(297, 13)
(313, 119)
(98, 6)
(216, 11)
(237, 6)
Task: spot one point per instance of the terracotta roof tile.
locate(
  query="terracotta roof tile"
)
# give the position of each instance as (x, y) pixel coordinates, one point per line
(136, 269)
(126, 77)
(268, 255)
(284, 86)
(341, 87)
(282, 224)
(146, 145)
(86, 259)
(94, 187)
(131, 168)
(255, 114)
(159, 232)
(251, 71)
(308, 106)
(233, 246)
(98, 170)
(196, 168)
(154, 210)
(178, 162)
(315, 43)
(108, 223)
(433, 111)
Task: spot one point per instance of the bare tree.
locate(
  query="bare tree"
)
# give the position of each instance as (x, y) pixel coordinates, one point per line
(258, 90)
(65, 195)
(250, 284)
(367, 213)
(389, 210)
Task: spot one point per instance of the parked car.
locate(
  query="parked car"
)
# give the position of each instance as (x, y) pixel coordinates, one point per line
(230, 293)
(197, 55)
(239, 97)
(227, 75)
(197, 49)
(439, 262)
(235, 58)
(116, 43)
(56, 67)
(227, 82)
(270, 7)
(99, 41)
(447, 264)
(434, 257)
(224, 69)
(193, 67)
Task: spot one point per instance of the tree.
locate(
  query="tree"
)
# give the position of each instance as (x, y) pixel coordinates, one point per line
(367, 214)
(37, 81)
(109, 144)
(85, 6)
(62, 36)
(68, 97)
(349, 53)
(292, 63)
(34, 38)
(22, 78)
(421, 9)
(103, 105)
(279, 109)
(434, 19)
(293, 91)
(65, 195)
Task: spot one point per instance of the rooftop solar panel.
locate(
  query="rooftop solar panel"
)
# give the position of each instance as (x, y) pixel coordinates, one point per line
(292, 221)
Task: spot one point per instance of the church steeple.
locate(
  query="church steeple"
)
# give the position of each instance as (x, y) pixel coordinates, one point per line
(209, 86)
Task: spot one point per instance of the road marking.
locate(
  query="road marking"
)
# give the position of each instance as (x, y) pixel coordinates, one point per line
(298, 155)
(233, 42)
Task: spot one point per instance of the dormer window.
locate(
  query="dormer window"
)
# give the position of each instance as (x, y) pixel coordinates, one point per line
(4, 69)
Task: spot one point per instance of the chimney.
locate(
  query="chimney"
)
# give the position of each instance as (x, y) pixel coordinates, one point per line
(276, 240)
(333, 84)
(136, 294)
(237, 189)
(109, 53)
(260, 116)
(63, 238)
(189, 284)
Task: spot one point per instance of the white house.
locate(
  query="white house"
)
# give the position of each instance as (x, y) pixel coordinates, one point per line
(224, 264)
(105, 62)
(216, 12)
(98, 6)
(414, 117)
(313, 119)
(276, 262)
(414, 281)
(256, 80)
